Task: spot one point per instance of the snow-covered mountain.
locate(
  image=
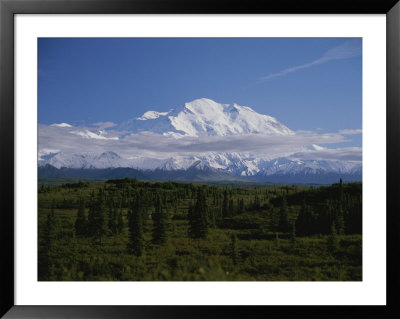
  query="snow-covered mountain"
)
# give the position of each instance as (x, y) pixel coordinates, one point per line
(85, 160)
(283, 166)
(198, 119)
(205, 117)
(231, 164)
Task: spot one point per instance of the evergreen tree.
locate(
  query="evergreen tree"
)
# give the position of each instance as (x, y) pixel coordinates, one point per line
(136, 240)
(81, 222)
(46, 250)
(225, 209)
(340, 191)
(241, 206)
(120, 222)
(325, 218)
(231, 209)
(332, 241)
(283, 225)
(339, 222)
(256, 202)
(305, 222)
(233, 249)
(191, 219)
(217, 218)
(212, 218)
(159, 224)
(99, 218)
(198, 224)
(112, 220)
(91, 216)
(50, 229)
(293, 235)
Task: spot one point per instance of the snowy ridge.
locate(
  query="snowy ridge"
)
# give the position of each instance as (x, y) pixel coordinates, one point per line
(84, 160)
(206, 117)
(284, 166)
(237, 164)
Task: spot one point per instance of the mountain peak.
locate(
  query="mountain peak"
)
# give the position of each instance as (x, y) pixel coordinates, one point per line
(206, 117)
(109, 155)
(202, 100)
(203, 105)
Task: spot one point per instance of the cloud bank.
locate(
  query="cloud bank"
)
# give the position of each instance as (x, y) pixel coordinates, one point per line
(71, 139)
(342, 154)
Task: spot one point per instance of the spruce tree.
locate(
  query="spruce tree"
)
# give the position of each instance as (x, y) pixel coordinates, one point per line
(233, 249)
(46, 250)
(241, 206)
(339, 221)
(91, 216)
(256, 202)
(159, 224)
(198, 223)
(283, 225)
(99, 218)
(305, 222)
(136, 240)
(332, 241)
(326, 217)
(293, 235)
(341, 191)
(81, 222)
(225, 209)
(191, 219)
(212, 218)
(50, 229)
(120, 222)
(231, 208)
(112, 220)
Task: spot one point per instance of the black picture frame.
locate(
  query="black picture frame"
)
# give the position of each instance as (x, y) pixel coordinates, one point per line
(8, 8)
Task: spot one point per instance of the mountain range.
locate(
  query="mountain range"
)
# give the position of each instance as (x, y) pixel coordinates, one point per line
(202, 122)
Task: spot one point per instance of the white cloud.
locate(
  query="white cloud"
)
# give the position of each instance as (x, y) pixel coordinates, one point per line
(348, 49)
(340, 154)
(350, 132)
(61, 125)
(89, 134)
(104, 125)
(82, 139)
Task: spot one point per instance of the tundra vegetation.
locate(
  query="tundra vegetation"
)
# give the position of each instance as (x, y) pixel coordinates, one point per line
(132, 230)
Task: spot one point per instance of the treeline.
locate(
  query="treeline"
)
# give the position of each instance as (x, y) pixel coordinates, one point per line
(339, 206)
(310, 212)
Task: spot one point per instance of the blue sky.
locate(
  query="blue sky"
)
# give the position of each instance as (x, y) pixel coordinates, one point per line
(311, 84)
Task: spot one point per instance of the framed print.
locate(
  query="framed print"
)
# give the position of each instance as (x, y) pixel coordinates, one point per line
(188, 158)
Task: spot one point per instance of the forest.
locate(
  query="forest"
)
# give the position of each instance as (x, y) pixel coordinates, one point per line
(133, 230)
